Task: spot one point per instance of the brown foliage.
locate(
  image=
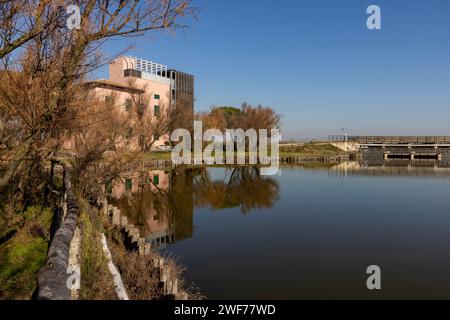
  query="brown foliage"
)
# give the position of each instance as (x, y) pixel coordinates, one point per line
(42, 96)
(245, 188)
(257, 118)
(139, 275)
(245, 118)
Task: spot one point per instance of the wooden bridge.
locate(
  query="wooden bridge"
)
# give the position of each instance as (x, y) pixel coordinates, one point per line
(412, 147)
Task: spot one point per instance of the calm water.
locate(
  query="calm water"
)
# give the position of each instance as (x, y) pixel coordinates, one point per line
(307, 233)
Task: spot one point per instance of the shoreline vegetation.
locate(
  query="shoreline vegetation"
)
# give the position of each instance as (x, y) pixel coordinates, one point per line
(309, 151)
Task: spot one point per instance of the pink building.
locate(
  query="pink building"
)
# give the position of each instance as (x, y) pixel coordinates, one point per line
(152, 86)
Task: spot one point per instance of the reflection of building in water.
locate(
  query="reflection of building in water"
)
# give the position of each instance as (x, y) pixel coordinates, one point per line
(158, 202)
(393, 167)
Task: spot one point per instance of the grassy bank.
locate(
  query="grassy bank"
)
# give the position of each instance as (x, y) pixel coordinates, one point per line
(311, 149)
(140, 277)
(22, 255)
(96, 281)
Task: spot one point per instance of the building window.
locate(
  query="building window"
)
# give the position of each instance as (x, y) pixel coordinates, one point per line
(132, 73)
(128, 184)
(156, 137)
(157, 96)
(173, 94)
(141, 109)
(156, 111)
(157, 205)
(129, 132)
(108, 187)
(109, 100)
(128, 105)
(156, 179)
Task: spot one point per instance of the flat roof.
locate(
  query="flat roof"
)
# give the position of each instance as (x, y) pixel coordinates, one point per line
(108, 84)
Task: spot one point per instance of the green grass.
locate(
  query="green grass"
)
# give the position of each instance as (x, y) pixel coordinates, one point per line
(311, 150)
(305, 150)
(22, 256)
(96, 281)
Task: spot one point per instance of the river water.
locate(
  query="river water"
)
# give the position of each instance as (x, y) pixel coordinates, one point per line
(310, 232)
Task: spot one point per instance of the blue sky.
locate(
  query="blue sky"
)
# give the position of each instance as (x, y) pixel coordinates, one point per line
(316, 63)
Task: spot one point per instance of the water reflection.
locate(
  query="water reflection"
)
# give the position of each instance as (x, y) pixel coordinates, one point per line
(393, 167)
(317, 236)
(240, 187)
(161, 203)
(158, 202)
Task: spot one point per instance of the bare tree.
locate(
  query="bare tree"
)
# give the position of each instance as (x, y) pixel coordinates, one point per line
(49, 71)
(21, 21)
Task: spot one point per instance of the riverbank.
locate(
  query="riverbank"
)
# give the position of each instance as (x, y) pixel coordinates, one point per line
(23, 249)
(305, 152)
(57, 251)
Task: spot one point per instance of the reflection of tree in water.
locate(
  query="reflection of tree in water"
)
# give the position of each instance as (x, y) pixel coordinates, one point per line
(181, 203)
(168, 211)
(243, 187)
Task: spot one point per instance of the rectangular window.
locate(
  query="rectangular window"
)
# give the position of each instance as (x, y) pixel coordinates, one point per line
(157, 97)
(141, 108)
(156, 111)
(129, 132)
(132, 73)
(108, 187)
(109, 100)
(156, 137)
(128, 105)
(128, 184)
(156, 179)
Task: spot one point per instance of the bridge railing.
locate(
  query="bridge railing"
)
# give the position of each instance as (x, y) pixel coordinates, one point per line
(392, 139)
(337, 138)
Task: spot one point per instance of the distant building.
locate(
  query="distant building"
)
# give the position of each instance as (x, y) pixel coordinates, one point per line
(163, 88)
